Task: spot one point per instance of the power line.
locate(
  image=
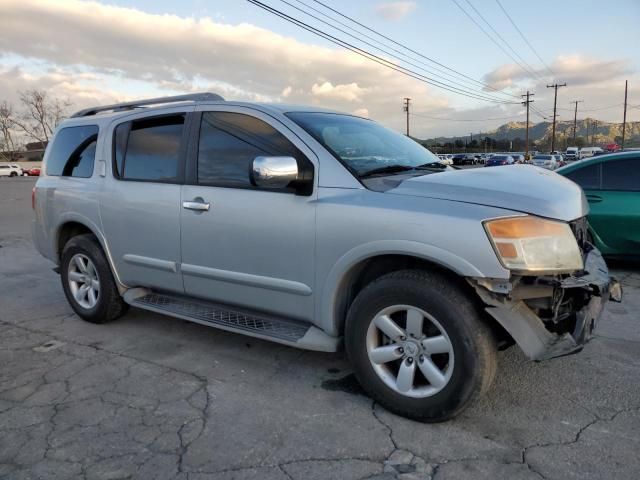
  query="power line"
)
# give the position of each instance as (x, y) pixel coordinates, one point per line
(465, 87)
(493, 39)
(441, 71)
(373, 57)
(421, 115)
(525, 39)
(483, 84)
(529, 67)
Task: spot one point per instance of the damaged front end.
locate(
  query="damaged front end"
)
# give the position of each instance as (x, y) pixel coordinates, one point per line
(551, 316)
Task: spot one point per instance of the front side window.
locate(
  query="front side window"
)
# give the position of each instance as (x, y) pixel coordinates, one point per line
(587, 177)
(229, 142)
(621, 174)
(364, 146)
(73, 152)
(149, 149)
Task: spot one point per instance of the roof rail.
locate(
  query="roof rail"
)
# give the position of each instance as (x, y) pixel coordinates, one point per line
(194, 97)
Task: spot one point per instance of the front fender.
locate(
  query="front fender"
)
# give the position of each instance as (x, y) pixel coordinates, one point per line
(333, 285)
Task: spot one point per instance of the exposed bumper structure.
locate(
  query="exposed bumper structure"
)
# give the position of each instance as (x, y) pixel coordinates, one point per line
(534, 335)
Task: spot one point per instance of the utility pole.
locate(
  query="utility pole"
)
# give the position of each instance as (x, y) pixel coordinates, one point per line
(406, 109)
(526, 103)
(593, 133)
(624, 118)
(575, 119)
(555, 102)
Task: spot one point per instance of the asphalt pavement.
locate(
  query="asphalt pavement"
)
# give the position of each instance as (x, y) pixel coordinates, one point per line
(149, 396)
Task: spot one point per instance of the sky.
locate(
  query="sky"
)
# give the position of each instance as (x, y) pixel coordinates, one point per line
(94, 52)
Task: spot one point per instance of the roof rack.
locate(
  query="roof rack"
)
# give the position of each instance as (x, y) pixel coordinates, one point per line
(193, 97)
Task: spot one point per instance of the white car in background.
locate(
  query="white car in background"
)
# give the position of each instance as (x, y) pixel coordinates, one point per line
(447, 159)
(10, 170)
(588, 152)
(545, 161)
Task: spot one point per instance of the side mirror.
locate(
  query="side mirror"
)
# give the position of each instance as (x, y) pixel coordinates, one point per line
(274, 172)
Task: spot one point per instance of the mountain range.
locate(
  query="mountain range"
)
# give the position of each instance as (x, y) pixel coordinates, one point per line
(593, 132)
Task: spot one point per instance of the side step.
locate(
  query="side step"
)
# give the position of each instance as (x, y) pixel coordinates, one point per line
(286, 331)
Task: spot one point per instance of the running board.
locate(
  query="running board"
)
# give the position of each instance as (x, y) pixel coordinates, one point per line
(260, 325)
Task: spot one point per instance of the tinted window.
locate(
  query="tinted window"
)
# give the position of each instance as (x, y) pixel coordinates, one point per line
(73, 152)
(621, 174)
(230, 141)
(151, 150)
(587, 177)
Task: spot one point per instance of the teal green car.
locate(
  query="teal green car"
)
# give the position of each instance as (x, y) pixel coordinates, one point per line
(612, 186)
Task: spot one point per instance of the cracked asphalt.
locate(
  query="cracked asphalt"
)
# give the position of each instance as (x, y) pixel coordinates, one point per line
(153, 397)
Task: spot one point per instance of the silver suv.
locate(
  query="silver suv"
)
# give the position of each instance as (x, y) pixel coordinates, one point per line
(316, 229)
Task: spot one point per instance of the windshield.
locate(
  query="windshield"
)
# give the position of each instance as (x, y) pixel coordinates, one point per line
(542, 157)
(363, 145)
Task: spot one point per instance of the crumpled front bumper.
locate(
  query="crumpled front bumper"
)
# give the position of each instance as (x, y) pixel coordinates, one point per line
(531, 333)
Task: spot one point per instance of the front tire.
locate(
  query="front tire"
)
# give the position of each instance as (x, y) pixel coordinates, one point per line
(87, 281)
(418, 345)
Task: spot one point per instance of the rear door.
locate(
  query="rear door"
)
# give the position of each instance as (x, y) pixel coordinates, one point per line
(140, 202)
(251, 247)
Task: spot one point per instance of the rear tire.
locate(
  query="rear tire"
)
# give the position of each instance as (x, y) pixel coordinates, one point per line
(13, 174)
(87, 281)
(452, 364)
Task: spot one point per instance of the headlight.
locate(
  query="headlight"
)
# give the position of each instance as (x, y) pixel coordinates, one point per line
(533, 244)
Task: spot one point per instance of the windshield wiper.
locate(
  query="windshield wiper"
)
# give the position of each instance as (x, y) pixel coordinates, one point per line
(431, 166)
(387, 169)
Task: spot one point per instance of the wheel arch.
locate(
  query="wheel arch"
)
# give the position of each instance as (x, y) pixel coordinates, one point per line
(73, 225)
(365, 263)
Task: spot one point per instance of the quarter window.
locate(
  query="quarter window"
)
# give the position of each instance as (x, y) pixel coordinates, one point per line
(621, 174)
(587, 177)
(230, 141)
(149, 149)
(73, 152)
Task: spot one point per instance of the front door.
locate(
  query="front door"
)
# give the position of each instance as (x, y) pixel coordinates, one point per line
(242, 245)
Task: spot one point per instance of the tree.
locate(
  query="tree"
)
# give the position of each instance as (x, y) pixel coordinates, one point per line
(7, 143)
(41, 114)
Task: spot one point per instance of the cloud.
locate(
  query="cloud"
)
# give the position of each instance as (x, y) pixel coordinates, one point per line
(122, 46)
(395, 11)
(574, 69)
(350, 92)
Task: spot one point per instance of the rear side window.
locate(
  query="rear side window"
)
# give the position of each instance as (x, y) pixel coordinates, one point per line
(73, 152)
(621, 175)
(587, 177)
(149, 149)
(230, 141)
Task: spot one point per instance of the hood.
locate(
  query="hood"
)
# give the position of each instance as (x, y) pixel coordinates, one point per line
(522, 188)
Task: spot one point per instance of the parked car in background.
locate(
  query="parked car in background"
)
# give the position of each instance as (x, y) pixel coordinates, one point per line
(317, 229)
(464, 159)
(588, 152)
(10, 170)
(498, 160)
(559, 161)
(572, 154)
(518, 158)
(545, 161)
(611, 184)
(33, 172)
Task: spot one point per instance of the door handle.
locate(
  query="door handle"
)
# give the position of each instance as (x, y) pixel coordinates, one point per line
(594, 198)
(197, 204)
